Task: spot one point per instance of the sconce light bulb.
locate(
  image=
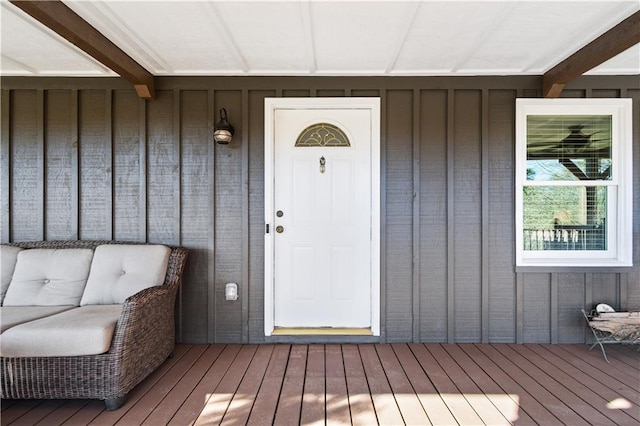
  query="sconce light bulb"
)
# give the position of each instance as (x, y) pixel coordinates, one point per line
(231, 291)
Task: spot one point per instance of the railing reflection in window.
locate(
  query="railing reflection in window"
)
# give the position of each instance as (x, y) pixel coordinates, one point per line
(566, 237)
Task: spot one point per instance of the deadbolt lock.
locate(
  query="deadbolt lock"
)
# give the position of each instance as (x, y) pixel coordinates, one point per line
(279, 213)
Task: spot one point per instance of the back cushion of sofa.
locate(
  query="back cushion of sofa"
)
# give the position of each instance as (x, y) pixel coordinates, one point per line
(120, 271)
(49, 277)
(8, 259)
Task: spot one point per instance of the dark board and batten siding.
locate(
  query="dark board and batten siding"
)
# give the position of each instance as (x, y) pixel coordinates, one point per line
(85, 158)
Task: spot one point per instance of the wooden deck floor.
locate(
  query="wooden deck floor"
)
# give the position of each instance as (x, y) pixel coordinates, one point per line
(368, 384)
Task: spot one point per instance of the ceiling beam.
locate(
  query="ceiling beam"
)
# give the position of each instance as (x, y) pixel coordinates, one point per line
(618, 39)
(64, 21)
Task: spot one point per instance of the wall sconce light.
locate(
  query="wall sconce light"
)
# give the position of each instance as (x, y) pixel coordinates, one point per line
(223, 131)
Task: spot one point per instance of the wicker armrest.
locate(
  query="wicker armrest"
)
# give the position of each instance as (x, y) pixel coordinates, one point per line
(145, 332)
(145, 312)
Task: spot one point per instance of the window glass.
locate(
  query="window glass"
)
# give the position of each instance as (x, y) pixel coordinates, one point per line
(565, 218)
(322, 134)
(568, 147)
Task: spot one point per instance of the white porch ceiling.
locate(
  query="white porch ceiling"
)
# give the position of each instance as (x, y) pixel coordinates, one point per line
(307, 37)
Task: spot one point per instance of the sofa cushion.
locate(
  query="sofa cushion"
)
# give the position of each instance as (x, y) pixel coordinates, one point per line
(86, 330)
(8, 259)
(120, 271)
(48, 277)
(14, 315)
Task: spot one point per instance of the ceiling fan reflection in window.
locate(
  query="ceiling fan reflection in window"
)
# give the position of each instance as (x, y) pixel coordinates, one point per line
(583, 148)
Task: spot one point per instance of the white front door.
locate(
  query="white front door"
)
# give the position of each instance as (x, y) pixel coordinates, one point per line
(322, 211)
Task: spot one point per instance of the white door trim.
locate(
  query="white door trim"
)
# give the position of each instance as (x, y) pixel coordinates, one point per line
(273, 104)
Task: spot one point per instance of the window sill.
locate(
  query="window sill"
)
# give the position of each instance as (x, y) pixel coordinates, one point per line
(575, 269)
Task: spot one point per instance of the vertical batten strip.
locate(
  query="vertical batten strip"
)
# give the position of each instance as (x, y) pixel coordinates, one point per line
(75, 169)
(450, 218)
(588, 296)
(244, 290)
(416, 217)
(142, 218)
(109, 161)
(622, 282)
(588, 289)
(5, 168)
(41, 188)
(484, 149)
(519, 282)
(383, 215)
(519, 308)
(554, 308)
(177, 192)
(211, 299)
(177, 156)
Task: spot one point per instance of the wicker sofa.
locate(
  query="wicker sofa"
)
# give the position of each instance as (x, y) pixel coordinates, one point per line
(142, 338)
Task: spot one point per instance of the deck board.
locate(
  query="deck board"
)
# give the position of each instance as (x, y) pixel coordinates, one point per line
(626, 385)
(435, 408)
(631, 359)
(542, 372)
(244, 398)
(264, 407)
(161, 381)
(141, 397)
(528, 405)
(580, 384)
(337, 397)
(32, 417)
(456, 401)
(551, 401)
(290, 402)
(616, 368)
(367, 384)
(63, 412)
(197, 400)
(178, 383)
(86, 415)
(406, 398)
(505, 405)
(480, 402)
(360, 403)
(385, 406)
(218, 401)
(16, 409)
(313, 398)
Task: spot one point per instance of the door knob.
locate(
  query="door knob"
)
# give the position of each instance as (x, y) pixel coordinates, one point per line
(279, 229)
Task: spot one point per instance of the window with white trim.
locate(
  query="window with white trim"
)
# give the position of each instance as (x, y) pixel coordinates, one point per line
(573, 182)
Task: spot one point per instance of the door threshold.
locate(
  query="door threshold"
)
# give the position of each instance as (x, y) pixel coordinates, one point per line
(321, 331)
